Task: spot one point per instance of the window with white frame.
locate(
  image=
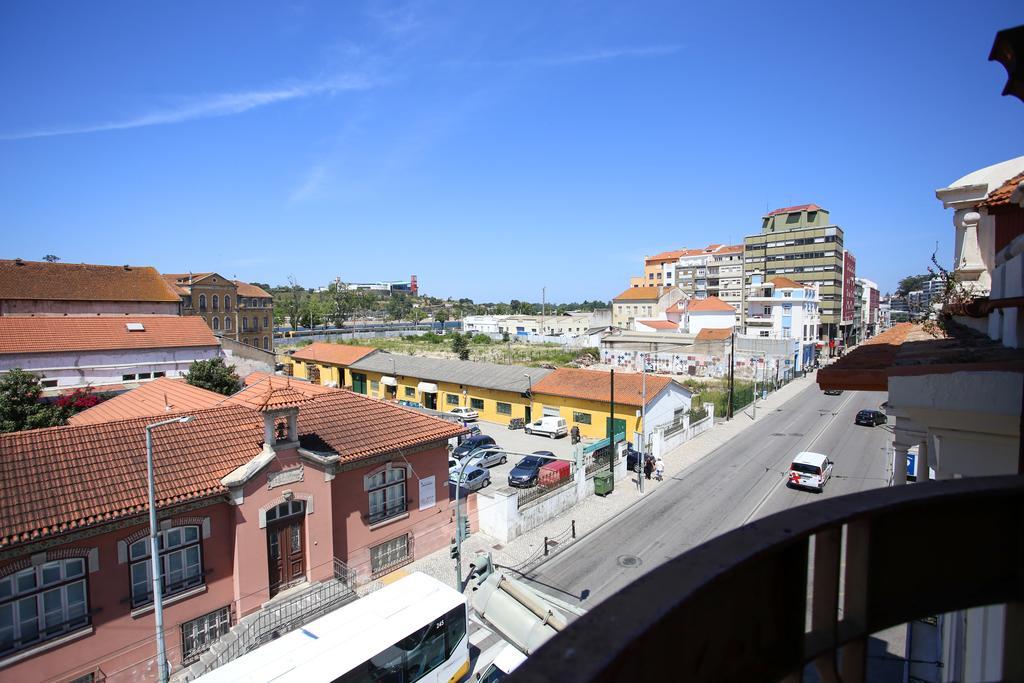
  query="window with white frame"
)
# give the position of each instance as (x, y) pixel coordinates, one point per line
(199, 634)
(181, 560)
(227, 322)
(43, 602)
(387, 493)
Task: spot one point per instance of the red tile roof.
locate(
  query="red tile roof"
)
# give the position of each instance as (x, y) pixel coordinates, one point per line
(640, 294)
(40, 280)
(267, 396)
(245, 289)
(794, 209)
(731, 249)
(714, 334)
(20, 335)
(708, 305)
(786, 283)
(665, 256)
(594, 385)
(1000, 196)
(677, 307)
(660, 324)
(306, 388)
(163, 396)
(65, 478)
(333, 354)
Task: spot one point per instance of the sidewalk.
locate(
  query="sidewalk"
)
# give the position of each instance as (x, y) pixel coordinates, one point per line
(594, 510)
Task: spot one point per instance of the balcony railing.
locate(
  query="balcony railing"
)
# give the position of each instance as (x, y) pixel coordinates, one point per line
(808, 586)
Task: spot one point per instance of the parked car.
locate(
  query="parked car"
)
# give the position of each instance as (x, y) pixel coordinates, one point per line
(833, 392)
(410, 404)
(488, 458)
(473, 479)
(548, 426)
(871, 418)
(473, 431)
(467, 414)
(453, 465)
(633, 458)
(809, 471)
(470, 444)
(526, 471)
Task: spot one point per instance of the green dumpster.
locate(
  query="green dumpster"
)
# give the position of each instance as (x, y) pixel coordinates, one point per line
(604, 483)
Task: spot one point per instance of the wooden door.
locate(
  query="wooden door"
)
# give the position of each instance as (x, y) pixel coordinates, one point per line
(286, 546)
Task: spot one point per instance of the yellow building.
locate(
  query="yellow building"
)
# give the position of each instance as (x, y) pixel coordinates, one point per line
(582, 397)
(497, 392)
(326, 363)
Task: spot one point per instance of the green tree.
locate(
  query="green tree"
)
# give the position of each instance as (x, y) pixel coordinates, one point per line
(460, 345)
(418, 314)
(51, 258)
(20, 407)
(399, 307)
(291, 301)
(215, 375)
(912, 283)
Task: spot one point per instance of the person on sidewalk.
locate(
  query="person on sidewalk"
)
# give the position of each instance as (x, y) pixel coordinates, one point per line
(648, 466)
(659, 469)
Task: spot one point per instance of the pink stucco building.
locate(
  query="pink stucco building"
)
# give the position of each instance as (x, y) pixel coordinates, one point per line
(282, 493)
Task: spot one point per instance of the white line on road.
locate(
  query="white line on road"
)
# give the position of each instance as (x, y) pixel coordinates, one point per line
(828, 423)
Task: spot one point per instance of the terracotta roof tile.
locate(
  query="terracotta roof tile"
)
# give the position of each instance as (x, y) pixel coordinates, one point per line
(714, 334)
(101, 333)
(794, 209)
(65, 478)
(163, 396)
(304, 387)
(267, 396)
(593, 385)
(39, 280)
(660, 324)
(708, 305)
(335, 354)
(245, 289)
(640, 294)
(1001, 195)
(786, 283)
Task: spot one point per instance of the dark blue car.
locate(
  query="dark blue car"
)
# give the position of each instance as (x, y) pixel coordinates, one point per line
(470, 444)
(526, 471)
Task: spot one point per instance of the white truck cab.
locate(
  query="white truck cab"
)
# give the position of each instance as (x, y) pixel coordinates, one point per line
(810, 471)
(548, 426)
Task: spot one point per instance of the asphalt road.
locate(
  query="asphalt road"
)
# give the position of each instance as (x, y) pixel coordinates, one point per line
(742, 480)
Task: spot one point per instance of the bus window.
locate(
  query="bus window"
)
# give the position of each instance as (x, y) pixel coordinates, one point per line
(425, 651)
(455, 625)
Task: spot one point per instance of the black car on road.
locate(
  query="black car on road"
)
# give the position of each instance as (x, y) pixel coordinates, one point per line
(833, 392)
(871, 418)
(471, 443)
(526, 471)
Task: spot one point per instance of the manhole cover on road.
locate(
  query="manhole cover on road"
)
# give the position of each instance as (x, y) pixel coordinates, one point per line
(629, 561)
(795, 434)
(777, 434)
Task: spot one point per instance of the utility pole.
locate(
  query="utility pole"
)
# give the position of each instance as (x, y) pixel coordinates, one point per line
(732, 366)
(611, 429)
(543, 308)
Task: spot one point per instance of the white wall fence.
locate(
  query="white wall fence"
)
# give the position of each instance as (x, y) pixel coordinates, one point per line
(501, 516)
(667, 437)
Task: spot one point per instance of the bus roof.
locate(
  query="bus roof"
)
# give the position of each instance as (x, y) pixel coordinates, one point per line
(347, 636)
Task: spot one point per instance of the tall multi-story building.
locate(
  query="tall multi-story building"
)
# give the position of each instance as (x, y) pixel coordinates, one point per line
(802, 244)
(715, 270)
(232, 309)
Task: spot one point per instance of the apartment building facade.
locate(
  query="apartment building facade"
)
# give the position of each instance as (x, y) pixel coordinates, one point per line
(802, 244)
(642, 302)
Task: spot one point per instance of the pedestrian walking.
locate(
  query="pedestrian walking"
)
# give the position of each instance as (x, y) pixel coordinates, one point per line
(659, 469)
(648, 467)
(575, 434)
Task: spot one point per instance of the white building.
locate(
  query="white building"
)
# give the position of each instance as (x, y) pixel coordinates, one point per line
(710, 313)
(103, 351)
(784, 309)
(569, 324)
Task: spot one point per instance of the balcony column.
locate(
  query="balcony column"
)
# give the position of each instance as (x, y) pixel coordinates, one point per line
(922, 460)
(899, 464)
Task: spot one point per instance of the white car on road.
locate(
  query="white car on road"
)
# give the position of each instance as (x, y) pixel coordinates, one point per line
(467, 414)
(809, 471)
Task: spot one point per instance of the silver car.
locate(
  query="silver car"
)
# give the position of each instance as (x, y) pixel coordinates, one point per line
(473, 479)
(486, 457)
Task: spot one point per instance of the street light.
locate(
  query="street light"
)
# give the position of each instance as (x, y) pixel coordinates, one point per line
(154, 548)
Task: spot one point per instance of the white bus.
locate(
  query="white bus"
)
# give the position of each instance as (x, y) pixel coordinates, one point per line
(411, 630)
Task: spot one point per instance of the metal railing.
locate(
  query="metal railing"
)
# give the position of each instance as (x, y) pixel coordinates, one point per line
(527, 496)
(277, 619)
(808, 586)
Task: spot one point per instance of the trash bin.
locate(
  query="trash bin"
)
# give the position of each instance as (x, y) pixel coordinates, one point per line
(603, 483)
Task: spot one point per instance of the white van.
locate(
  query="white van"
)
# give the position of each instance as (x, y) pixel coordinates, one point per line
(548, 426)
(809, 471)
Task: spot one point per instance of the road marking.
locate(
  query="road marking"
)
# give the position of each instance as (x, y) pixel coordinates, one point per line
(817, 436)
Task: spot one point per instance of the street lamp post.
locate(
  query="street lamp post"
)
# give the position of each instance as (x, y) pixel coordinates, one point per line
(154, 548)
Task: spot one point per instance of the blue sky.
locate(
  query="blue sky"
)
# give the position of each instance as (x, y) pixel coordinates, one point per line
(489, 148)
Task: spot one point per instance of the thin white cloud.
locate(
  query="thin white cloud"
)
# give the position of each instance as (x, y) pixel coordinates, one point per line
(226, 104)
(311, 185)
(584, 57)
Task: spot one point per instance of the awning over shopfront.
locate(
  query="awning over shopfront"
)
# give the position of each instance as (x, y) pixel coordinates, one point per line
(389, 381)
(427, 387)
